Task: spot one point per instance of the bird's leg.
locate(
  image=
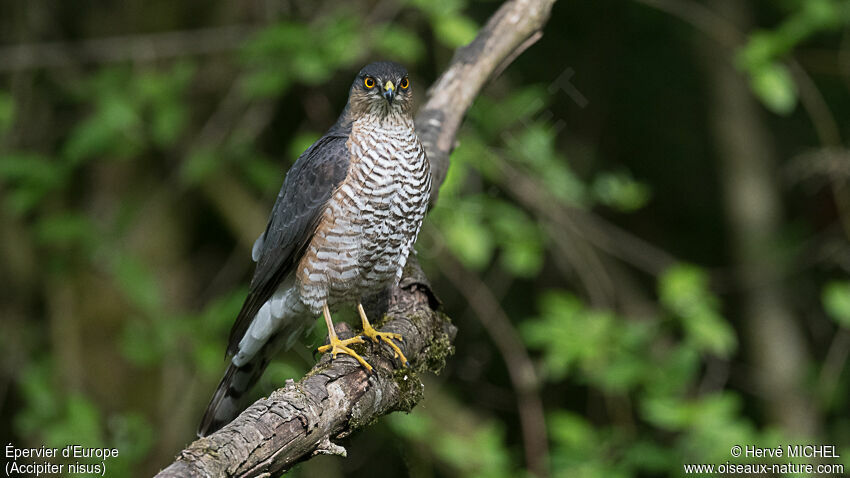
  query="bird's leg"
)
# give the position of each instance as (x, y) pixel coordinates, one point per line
(338, 346)
(373, 334)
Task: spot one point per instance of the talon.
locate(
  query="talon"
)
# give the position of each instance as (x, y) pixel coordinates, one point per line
(386, 337)
(338, 346)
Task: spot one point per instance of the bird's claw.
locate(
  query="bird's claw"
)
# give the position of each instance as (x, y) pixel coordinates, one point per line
(386, 337)
(338, 346)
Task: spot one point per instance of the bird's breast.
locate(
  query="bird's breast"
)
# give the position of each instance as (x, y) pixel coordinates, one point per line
(372, 220)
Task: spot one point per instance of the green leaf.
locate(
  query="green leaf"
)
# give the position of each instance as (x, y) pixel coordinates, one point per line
(410, 425)
(266, 83)
(399, 43)
(436, 8)
(518, 108)
(452, 189)
(206, 329)
(683, 289)
(518, 236)
(65, 229)
(168, 123)
(644, 454)
(311, 68)
(23, 200)
(138, 283)
(138, 343)
(43, 402)
(481, 451)
(774, 86)
(568, 334)
(523, 258)
(133, 435)
(675, 370)
(455, 30)
(761, 49)
(665, 412)
(288, 52)
(572, 431)
(280, 370)
(270, 42)
(301, 142)
(341, 40)
(7, 111)
(199, 165)
(262, 173)
(836, 301)
(534, 148)
(620, 191)
(112, 129)
(32, 177)
(711, 333)
(31, 168)
(469, 239)
(81, 425)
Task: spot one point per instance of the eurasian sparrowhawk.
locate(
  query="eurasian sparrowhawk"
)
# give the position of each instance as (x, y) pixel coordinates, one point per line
(341, 229)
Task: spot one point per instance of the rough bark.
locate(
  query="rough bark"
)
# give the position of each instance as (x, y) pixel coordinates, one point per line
(338, 397)
(512, 29)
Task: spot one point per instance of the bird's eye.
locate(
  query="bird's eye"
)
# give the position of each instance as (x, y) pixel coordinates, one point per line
(404, 84)
(369, 82)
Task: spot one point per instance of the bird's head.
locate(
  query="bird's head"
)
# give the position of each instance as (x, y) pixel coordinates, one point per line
(381, 88)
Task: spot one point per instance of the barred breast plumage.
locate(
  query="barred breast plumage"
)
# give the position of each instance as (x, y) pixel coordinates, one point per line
(372, 220)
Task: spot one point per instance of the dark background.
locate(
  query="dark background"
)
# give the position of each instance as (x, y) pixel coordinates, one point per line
(643, 238)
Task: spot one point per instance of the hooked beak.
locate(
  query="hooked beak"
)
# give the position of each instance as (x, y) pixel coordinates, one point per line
(389, 91)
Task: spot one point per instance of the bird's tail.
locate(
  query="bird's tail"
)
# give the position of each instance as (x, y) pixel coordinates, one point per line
(226, 403)
(237, 381)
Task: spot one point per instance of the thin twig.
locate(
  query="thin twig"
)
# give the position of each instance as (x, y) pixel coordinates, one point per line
(602, 234)
(702, 18)
(148, 47)
(519, 366)
(823, 120)
(833, 364)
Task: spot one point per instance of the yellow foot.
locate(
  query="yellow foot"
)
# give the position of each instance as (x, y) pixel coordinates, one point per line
(387, 337)
(341, 347)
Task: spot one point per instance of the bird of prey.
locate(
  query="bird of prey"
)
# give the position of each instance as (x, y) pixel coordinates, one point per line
(341, 229)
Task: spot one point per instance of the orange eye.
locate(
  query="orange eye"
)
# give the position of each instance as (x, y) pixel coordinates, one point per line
(404, 84)
(369, 82)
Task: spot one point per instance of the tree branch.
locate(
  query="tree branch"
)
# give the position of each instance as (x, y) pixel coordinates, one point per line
(334, 399)
(508, 31)
(519, 366)
(143, 47)
(338, 397)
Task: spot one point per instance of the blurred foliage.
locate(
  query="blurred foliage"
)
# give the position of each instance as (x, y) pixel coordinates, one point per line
(765, 50)
(129, 188)
(836, 301)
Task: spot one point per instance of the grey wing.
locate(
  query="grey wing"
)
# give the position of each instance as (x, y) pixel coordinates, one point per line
(306, 190)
